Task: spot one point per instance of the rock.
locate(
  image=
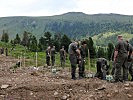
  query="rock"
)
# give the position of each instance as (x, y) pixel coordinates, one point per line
(126, 84)
(64, 97)
(70, 89)
(126, 88)
(130, 96)
(4, 86)
(56, 93)
(109, 95)
(116, 91)
(31, 93)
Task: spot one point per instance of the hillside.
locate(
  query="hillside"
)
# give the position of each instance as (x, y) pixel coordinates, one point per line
(110, 37)
(74, 24)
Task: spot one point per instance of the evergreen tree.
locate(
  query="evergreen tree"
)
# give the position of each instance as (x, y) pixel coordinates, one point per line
(100, 52)
(57, 42)
(90, 45)
(110, 50)
(5, 37)
(65, 41)
(47, 38)
(17, 40)
(41, 44)
(25, 39)
(33, 44)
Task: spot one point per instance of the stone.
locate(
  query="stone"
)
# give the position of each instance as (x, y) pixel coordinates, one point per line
(64, 97)
(4, 86)
(56, 93)
(130, 96)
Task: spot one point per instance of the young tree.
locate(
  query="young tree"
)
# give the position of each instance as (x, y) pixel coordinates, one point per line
(33, 44)
(100, 52)
(90, 45)
(65, 41)
(47, 38)
(25, 39)
(17, 40)
(5, 37)
(110, 50)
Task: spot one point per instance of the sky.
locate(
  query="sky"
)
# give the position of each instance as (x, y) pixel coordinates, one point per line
(56, 7)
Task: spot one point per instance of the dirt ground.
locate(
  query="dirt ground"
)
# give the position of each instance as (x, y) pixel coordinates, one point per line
(31, 83)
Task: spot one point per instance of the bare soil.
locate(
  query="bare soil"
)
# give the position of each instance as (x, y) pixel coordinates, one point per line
(31, 83)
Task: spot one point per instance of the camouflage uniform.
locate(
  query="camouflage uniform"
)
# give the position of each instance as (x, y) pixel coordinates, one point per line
(121, 61)
(62, 57)
(82, 64)
(48, 57)
(6, 52)
(102, 68)
(130, 60)
(53, 56)
(73, 58)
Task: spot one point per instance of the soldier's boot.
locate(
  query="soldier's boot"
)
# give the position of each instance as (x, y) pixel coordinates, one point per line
(73, 72)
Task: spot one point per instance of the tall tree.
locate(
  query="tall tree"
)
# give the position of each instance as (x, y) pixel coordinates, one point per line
(17, 40)
(110, 50)
(5, 37)
(47, 37)
(25, 39)
(90, 45)
(33, 44)
(100, 52)
(65, 41)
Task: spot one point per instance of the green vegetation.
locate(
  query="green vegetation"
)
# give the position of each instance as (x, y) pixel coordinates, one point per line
(21, 51)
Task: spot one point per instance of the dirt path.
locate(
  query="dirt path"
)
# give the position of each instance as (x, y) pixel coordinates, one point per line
(40, 84)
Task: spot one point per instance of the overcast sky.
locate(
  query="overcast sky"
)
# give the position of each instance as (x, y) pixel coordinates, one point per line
(55, 7)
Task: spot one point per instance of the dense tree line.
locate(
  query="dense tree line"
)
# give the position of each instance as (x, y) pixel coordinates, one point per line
(31, 43)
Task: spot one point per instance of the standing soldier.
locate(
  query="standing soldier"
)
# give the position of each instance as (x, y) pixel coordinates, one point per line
(6, 50)
(74, 59)
(120, 59)
(53, 55)
(130, 60)
(48, 56)
(62, 57)
(83, 55)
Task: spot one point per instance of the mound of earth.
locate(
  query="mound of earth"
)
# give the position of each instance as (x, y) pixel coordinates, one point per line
(32, 83)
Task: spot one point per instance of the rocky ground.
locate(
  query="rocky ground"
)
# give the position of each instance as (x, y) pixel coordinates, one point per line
(31, 83)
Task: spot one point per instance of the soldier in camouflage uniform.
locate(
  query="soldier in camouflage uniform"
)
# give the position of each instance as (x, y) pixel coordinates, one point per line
(6, 50)
(130, 60)
(53, 55)
(102, 68)
(120, 59)
(62, 57)
(48, 56)
(83, 55)
(74, 57)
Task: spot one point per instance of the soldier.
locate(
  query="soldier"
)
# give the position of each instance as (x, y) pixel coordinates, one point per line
(48, 56)
(102, 68)
(83, 55)
(53, 55)
(6, 50)
(130, 60)
(120, 59)
(62, 57)
(74, 56)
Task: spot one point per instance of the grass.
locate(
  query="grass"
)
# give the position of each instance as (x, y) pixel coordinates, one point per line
(21, 52)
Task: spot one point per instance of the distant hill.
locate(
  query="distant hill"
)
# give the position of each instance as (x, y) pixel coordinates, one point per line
(104, 38)
(74, 24)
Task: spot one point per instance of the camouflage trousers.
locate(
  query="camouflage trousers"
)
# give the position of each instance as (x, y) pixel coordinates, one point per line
(121, 63)
(82, 68)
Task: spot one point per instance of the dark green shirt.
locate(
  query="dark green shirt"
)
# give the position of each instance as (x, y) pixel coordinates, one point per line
(122, 47)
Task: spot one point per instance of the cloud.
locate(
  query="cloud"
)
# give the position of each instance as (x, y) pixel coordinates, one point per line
(54, 7)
